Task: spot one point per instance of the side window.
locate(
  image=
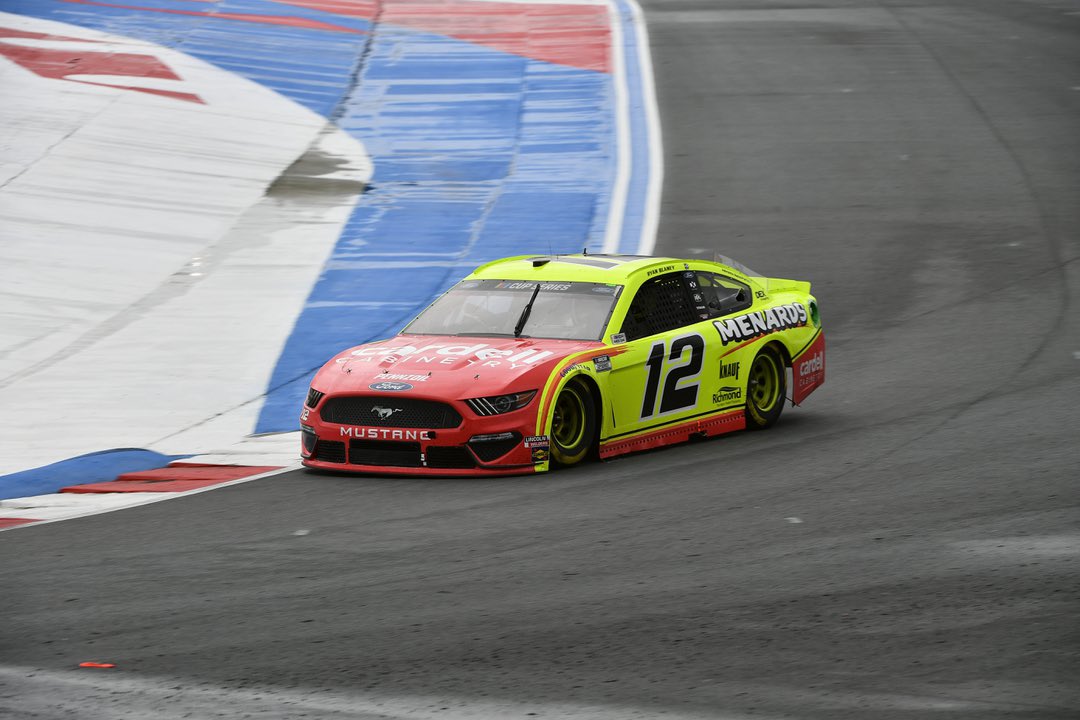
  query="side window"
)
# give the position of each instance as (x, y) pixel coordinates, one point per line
(719, 295)
(660, 304)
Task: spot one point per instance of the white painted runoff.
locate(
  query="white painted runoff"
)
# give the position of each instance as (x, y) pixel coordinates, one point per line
(147, 278)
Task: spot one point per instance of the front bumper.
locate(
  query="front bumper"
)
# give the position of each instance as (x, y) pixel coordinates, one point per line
(492, 445)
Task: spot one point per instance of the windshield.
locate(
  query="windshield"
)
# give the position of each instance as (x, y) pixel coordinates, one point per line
(561, 310)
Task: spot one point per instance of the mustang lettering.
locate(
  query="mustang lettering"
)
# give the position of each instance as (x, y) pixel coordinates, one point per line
(362, 433)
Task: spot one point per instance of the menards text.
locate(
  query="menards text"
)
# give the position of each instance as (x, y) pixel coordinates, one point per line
(751, 325)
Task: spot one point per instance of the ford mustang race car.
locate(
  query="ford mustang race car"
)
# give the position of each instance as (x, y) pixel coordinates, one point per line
(535, 361)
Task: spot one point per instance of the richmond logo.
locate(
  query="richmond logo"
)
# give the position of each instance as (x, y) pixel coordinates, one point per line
(727, 394)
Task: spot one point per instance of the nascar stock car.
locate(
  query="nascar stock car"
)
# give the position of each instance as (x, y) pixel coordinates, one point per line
(535, 361)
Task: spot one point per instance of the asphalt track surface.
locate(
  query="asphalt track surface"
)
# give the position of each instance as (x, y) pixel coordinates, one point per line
(904, 546)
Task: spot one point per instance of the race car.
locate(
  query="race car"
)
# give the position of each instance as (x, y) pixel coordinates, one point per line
(541, 361)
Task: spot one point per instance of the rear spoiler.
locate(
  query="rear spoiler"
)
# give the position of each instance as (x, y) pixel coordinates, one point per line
(779, 285)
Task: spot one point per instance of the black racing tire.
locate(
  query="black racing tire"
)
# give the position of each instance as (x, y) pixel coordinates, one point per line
(573, 424)
(765, 389)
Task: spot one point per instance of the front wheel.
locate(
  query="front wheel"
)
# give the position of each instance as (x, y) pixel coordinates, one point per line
(573, 424)
(765, 390)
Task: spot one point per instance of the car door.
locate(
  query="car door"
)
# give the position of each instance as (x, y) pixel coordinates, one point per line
(656, 379)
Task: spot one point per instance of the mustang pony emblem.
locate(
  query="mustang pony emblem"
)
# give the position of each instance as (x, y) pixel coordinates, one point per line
(384, 412)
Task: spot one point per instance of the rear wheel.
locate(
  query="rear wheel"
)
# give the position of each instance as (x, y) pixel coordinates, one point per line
(573, 424)
(765, 390)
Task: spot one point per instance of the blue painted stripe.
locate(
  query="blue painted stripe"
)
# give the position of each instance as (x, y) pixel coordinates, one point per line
(95, 467)
(640, 141)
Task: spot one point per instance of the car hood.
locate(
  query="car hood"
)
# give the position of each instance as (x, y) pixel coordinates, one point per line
(446, 366)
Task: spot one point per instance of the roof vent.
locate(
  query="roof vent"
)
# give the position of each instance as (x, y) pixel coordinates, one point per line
(540, 261)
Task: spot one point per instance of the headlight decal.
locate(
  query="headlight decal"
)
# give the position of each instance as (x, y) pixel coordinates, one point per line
(500, 404)
(313, 397)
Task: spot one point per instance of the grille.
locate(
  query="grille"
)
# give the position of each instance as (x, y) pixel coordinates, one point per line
(382, 411)
(444, 456)
(313, 397)
(386, 454)
(330, 451)
(494, 449)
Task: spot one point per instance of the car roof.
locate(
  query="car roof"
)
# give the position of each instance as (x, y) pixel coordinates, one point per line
(571, 268)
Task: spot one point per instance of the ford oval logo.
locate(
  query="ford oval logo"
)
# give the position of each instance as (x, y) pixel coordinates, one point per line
(390, 386)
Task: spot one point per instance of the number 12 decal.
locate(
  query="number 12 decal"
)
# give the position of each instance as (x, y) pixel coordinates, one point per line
(673, 397)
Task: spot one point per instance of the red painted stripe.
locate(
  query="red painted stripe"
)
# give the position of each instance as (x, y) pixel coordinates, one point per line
(15, 522)
(217, 473)
(366, 9)
(179, 477)
(151, 91)
(574, 35)
(125, 486)
(60, 64)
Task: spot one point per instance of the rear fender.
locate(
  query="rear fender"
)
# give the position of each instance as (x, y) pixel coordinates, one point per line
(808, 369)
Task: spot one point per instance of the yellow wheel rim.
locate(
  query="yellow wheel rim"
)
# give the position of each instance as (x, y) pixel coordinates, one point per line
(764, 386)
(568, 423)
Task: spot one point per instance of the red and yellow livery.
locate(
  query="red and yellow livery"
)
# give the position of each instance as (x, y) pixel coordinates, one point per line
(540, 360)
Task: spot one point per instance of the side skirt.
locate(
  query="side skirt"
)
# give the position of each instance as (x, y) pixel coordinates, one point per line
(720, 424)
